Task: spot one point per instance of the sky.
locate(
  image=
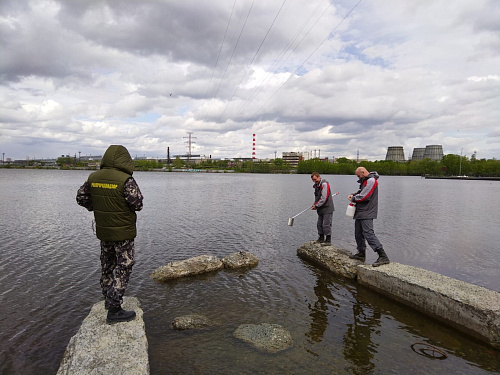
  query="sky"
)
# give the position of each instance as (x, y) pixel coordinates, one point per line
(332, 78)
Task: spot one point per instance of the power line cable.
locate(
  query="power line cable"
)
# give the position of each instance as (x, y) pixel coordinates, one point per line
(251, 62)
(296, 46)
(258, 89)
(218, 57)
(276, 60)
(235, 46)
(301, 65)
(220, 50)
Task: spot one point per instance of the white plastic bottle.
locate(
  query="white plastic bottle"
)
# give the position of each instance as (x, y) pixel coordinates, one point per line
(351, 209)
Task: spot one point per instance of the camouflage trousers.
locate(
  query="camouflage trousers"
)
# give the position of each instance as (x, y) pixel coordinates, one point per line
(117, 259)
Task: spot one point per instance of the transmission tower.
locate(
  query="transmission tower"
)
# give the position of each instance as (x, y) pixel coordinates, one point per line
(189, 142)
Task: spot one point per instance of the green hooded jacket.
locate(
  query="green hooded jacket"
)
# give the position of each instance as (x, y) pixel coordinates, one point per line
(115, 220)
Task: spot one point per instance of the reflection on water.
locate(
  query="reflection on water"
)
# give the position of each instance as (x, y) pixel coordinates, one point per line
(49, 272)
(358, 345)
(358, 348)
(377, 332)
(321, 308)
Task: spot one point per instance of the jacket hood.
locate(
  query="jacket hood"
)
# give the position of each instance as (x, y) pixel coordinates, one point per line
(370, 175)
(118, 157)
(319, 183)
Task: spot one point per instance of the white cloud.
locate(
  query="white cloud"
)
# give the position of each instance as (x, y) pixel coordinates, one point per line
(78, 76)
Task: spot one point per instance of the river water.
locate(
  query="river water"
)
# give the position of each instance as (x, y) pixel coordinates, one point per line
(49, 272)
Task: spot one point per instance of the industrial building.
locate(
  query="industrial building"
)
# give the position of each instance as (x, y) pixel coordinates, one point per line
(395, 153)
(433, 152)
(293, 158)
(418, 153)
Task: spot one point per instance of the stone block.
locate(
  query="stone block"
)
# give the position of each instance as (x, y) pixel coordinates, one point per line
(188, 267)
(99, 348)
(330, 257)
(241, 259)
(469, 308)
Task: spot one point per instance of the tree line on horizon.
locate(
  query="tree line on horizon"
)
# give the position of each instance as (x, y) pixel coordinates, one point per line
(450, 165)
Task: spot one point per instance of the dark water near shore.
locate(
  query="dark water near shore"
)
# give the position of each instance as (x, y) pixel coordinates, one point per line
(49, 272)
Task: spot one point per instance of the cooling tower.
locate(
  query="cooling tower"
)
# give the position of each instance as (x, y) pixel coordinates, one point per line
(418, 153)
(433, 152)
(395, 153)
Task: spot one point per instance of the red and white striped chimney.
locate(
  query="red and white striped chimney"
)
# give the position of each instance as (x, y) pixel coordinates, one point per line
(253, 148)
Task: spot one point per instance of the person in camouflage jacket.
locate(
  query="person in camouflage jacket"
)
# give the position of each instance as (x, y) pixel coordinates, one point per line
(114, 197)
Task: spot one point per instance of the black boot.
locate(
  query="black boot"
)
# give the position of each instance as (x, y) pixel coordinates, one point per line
(328, 240)
(382, 258)
(360, 255)
(106, 305)
(116, 315)
(321, 239)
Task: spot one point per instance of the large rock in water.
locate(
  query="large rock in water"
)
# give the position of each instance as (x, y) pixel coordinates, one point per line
(99, 348)
(241, 259)
(330, 257)
(192, 321)
(189, 267)
(270, 338)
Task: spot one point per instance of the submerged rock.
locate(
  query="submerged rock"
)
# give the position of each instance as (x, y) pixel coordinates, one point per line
(330, 257)
(270, 338)
(241, 259)
(192, 321)
(188, 267)
(99, 348)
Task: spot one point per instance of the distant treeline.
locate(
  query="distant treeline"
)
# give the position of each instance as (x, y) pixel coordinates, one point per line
(450, 165)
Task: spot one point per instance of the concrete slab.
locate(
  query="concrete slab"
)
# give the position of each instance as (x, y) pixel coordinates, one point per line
(469, 308)
(330, 257)
(99, 348)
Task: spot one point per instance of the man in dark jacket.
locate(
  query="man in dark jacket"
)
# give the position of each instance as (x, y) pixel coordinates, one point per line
(366, 199)
(114, 196)
(323, 204)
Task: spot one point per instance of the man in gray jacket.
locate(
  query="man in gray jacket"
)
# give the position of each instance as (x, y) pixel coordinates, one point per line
(323, 204)
(366, 199)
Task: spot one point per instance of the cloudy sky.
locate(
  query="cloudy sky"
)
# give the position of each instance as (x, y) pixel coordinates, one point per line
(303, 75)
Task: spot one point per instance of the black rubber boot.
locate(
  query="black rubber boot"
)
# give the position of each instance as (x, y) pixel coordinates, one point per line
(106, 305)
(117, 315)
(321, 239)
(328, 240)
(382, 258)
(360, 255)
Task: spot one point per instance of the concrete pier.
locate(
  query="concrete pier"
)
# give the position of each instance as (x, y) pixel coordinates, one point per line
(469, 308)
(99, 348)
(332, 258)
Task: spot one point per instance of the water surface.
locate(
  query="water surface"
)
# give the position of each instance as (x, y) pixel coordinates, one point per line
(49, 272)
